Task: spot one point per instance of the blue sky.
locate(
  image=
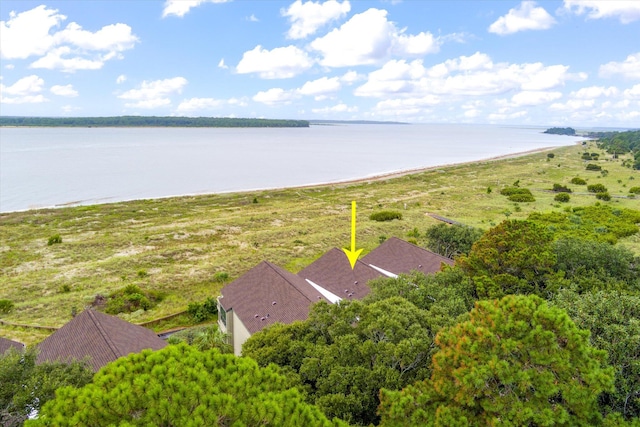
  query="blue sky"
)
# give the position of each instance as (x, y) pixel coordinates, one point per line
(571, 62)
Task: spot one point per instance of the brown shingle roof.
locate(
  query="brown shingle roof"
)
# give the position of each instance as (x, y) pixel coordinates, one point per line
(397, 256)
(101, 337)
(333, 272)
(6, 344)
(267, 294)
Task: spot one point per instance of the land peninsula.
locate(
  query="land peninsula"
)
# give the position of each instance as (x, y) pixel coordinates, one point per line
(148, 121)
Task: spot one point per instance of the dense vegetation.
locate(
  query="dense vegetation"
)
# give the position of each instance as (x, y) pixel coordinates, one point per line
(148, 121)
(561, 131)
(617, 143)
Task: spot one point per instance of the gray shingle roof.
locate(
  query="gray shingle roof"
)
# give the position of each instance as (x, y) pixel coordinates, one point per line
(101, 337)
(333, 272)
(267, 294)
(398, 257)
(6, 344)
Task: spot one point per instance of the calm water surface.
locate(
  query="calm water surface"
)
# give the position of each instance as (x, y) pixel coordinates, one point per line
(43, 167)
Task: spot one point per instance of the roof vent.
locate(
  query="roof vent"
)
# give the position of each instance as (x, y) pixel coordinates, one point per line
(263, 319)
(256, 316)
(346, 291)
(419, 265)
(351, 294)
(267, 315)
(355, 283)
(273, 303)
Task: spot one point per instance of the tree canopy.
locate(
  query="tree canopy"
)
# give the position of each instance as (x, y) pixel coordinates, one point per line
(148, 121)
(181, 386)
(516, 361)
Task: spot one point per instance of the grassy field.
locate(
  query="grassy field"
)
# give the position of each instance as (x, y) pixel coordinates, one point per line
(177, 245)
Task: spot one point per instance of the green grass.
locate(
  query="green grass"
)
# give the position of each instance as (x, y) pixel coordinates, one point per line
(182, 242)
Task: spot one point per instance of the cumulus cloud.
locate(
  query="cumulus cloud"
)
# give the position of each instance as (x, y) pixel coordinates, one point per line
(633, 92)
(306, 18)
(153, 94)
(625, 10)
(320, 88)
(222, 65)
(279, 63)
(180, 8)
(594, 92)
(629, 68)
(275, 96)
(526, 17)
(29, 33)
(369, 38)
(66, 90)
(474, 75)
(533, 97)
(195, 104)
(27, 90)
(339, 108)
(121, 79)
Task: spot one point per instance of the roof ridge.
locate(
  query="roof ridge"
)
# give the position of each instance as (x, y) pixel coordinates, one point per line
(104, 334)
(295, 285)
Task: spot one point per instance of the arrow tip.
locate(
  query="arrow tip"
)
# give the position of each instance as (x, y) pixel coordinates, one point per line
(353, 256)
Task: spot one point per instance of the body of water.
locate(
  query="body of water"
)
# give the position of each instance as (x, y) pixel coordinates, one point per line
(44, 167)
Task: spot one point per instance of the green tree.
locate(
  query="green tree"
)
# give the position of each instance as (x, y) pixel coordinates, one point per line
(25, 386)
(345, 353)
(515, 362)
(515, 257)
(452, 240)
(614, 321)
(181, 386)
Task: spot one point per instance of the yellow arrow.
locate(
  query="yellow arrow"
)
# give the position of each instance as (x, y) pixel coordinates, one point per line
(353, 254)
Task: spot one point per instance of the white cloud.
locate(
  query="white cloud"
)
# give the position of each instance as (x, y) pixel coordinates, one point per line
(275, 96)
(321, 87)
(195, 104)
(629, 69)
(474, 75)
(154, 94)
(634, 92)
(525, 17)
(500, 116)
(351, 77)
(369, 38)
(306, 18)
(66, 90)
(252, 18)
(573, 105)
(29, 34)
(625, 10)
(222, 65)
(594, 92)
(180, 8)
(531, 98)
(279, 63)
(27, 90)
(339, 108)
(121, 79)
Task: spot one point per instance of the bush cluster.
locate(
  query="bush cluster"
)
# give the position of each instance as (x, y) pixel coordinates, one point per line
(593, 167)
(603, 196)
(201, 312)
(131, 298)
(578, 181)
(54, 240)
(634, 190)
(562, 197)
(385, 216)
(6, 306)
(597, 188)
(559, 188)
(517, 194)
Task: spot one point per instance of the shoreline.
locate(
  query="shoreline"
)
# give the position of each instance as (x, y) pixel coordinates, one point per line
(373, 178)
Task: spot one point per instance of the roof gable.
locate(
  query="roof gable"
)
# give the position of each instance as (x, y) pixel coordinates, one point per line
(268, 294)
(6, 344)
(333, 272)
(101, 337)
(398, 257)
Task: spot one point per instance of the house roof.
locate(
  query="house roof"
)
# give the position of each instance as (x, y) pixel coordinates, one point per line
(267, 294)
(397, 256)
(333, 272)
(6, 344)
(100, 337)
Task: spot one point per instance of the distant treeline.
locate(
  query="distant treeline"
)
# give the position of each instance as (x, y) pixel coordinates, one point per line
(620, 143)
(148, 121)
(561, 131)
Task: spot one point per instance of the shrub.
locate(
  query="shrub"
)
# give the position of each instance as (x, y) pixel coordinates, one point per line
(562, 197)
(586, 156)
(6, 306)
(550, 156)
(221, 276)
(385, 216)
(522, 197)
(559, 188)
(54, 240)
(603, 196)
(578, 181)
(508, 191)
(634, 190)
(592, 167)
(597, 188)
(201, 312)
(131, 298)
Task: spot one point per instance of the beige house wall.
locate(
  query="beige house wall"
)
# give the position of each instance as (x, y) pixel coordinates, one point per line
(240, 334)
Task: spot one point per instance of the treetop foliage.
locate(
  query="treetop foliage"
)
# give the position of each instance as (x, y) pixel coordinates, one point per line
(516, 361)
(452, 240)
(561, 131)
(181, 386)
